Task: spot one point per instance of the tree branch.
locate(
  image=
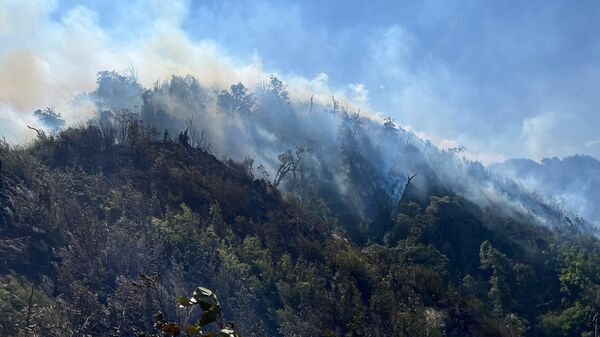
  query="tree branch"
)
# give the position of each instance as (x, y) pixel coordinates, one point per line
(40, 133)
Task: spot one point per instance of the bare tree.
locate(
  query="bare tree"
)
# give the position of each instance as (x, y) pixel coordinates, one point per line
(40, 133)
(262, 172)
(191, 130)
(409, 178)
(29, 310)
(289, 163)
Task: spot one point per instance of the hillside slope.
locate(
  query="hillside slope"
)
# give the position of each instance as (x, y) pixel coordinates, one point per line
(87, 211)
(572, 181)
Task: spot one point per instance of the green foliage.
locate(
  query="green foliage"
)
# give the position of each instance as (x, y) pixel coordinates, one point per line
(88, 211)
(579, 275)
(499, 265)
(238, 100)
(211, 314)
(573, 321)
(19, 299)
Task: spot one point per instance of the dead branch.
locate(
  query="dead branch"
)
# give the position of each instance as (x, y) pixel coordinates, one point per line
(40, 133)
(409, 178)
(29, 309)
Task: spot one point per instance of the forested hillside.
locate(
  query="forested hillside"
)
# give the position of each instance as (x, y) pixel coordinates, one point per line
(573, 182)
(373, 234)
(83, 217)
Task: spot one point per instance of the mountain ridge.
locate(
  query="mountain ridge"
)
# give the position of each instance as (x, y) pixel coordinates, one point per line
(572, 181)
(329, 239)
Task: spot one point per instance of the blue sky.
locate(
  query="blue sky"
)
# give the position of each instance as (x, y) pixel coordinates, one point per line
(505, 78)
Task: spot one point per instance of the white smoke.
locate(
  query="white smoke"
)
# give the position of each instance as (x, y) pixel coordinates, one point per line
(50, 57)
(45, 61)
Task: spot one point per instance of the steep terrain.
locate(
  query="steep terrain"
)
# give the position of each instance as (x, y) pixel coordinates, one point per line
(574, 181)
(83, 217)
(358, 164)
(324, 223)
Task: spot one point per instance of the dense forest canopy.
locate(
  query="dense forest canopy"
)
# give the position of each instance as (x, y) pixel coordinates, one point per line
(306, 219)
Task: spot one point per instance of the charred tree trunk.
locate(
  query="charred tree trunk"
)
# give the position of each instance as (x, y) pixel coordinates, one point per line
(409, 178)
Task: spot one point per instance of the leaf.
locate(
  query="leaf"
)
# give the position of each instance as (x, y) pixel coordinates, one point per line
(171, 329)
(183, 301)
(205, 298)
(193, 330)
(228, 332)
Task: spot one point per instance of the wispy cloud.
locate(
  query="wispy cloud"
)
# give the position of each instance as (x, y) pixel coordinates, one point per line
(593, 142)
